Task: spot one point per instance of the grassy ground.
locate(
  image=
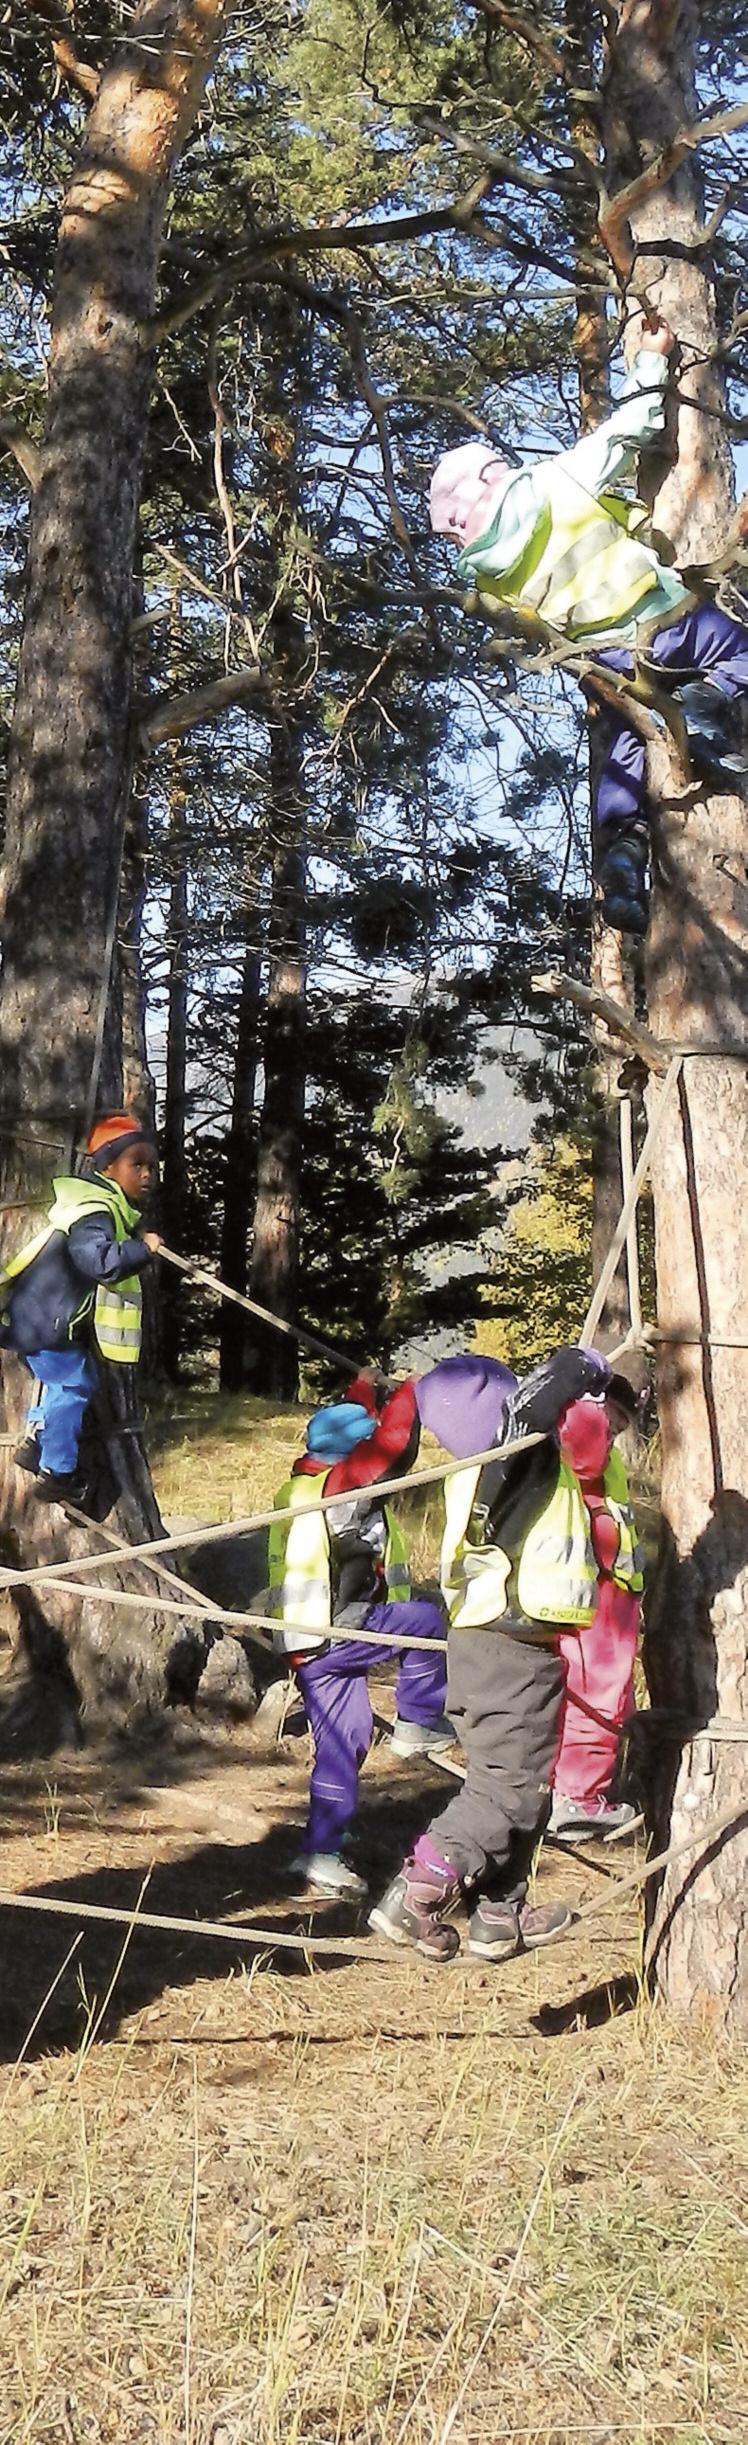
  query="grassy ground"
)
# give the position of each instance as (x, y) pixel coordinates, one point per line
(263, 2203)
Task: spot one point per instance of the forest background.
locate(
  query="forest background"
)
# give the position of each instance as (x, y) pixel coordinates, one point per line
(285, 831)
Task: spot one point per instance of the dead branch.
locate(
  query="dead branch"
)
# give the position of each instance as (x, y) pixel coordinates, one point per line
(618, 208)
(598, 1005)
(71, 70)
(25, 451)
(348, 237)
(169, 717)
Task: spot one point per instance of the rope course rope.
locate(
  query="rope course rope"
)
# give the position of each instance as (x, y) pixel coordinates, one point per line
(223, 1290)
(188, 1540)
(269, 1939)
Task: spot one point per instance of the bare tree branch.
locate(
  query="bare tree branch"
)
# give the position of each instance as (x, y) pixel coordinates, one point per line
(25, 451)
(256, 262)
(169, 717)
(71, 69)
(687, 140)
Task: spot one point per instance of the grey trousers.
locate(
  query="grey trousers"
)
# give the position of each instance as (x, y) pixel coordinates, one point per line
(505, 1696)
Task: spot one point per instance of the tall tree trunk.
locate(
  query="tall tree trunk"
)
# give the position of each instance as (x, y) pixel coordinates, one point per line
(610, 974)
(275, 1247)
(239, 1175)
(608, 968)
(68, 766)
(138, 1091)
(697, 1641)
(173, 1142)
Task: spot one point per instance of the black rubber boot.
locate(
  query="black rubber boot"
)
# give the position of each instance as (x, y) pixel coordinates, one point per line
(622, 875)
(58, 1486)
(26, 1455)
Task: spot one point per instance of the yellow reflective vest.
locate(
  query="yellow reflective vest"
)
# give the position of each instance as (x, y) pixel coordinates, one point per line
(299, 1563)
(556, 1574)
(117, 1306)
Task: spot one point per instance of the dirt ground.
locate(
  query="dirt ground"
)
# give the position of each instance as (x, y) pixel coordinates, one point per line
(250, 2200)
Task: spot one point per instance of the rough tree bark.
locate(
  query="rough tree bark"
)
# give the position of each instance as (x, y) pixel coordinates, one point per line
(696, 974)
(240, 1174)
(274, 1275)
(173, 1144)
(68, 770)
(609, 969)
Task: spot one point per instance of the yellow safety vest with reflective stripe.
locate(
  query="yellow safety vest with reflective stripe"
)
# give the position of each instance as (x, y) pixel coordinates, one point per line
(583, 569)
(556, 1574)
(117, 1306)
(628, 1570)
(299, 1571)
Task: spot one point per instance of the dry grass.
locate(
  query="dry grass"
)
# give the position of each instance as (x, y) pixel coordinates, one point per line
(222, 1454)
(454, 2235)
(355, 2205)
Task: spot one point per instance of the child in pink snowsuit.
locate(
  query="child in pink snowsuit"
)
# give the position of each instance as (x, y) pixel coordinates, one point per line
(600, 1664)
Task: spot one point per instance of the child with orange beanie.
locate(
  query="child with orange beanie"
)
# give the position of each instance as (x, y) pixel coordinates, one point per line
(77, 1282)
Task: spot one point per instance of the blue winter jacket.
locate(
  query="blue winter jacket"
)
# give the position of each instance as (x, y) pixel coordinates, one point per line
(43, 1301)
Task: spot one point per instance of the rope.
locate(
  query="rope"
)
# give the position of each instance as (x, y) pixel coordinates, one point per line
(222, 1290)
(626, 1137)
(630, 1203)
(241, 1621)
(189, 1540)
(269, 1939)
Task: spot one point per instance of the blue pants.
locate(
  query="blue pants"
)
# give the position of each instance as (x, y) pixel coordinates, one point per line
(338, 1710)
(67, 1379)
(705, 644)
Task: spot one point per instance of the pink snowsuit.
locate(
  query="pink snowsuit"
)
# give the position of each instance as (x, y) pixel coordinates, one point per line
(600, 1663)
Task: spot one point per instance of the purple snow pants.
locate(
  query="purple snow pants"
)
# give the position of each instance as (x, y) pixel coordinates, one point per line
(703, 644)
(338, 1712)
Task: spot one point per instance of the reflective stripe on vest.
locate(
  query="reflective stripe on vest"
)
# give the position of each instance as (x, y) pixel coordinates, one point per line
(584, 567)
(628, 1571)
(556, 1577)
(299, 1565)
(118, 1320)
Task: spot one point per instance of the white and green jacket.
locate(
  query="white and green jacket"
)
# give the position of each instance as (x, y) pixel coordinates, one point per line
(568, 546)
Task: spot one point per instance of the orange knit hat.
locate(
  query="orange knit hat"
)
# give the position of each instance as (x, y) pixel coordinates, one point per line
(117, 1133)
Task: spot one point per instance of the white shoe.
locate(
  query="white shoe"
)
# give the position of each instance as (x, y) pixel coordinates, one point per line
(422, 1739)
(607, 1819)
(326, 1872)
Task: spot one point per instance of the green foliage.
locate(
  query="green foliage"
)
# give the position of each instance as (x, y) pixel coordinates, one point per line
(541, 1283)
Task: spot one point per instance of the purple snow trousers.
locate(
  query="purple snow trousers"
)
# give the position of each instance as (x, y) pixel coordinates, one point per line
(338, 1711)
(703, 644)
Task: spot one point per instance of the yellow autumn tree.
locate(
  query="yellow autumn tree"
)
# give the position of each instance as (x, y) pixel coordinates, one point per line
(541, 1286)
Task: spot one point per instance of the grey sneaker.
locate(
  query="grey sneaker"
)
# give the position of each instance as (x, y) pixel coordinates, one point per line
(494, 1930)
(413, 1909)
(327, 1873)
(499, 1929)
(422, 1739)
(542, 1926)
(575, 1821)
